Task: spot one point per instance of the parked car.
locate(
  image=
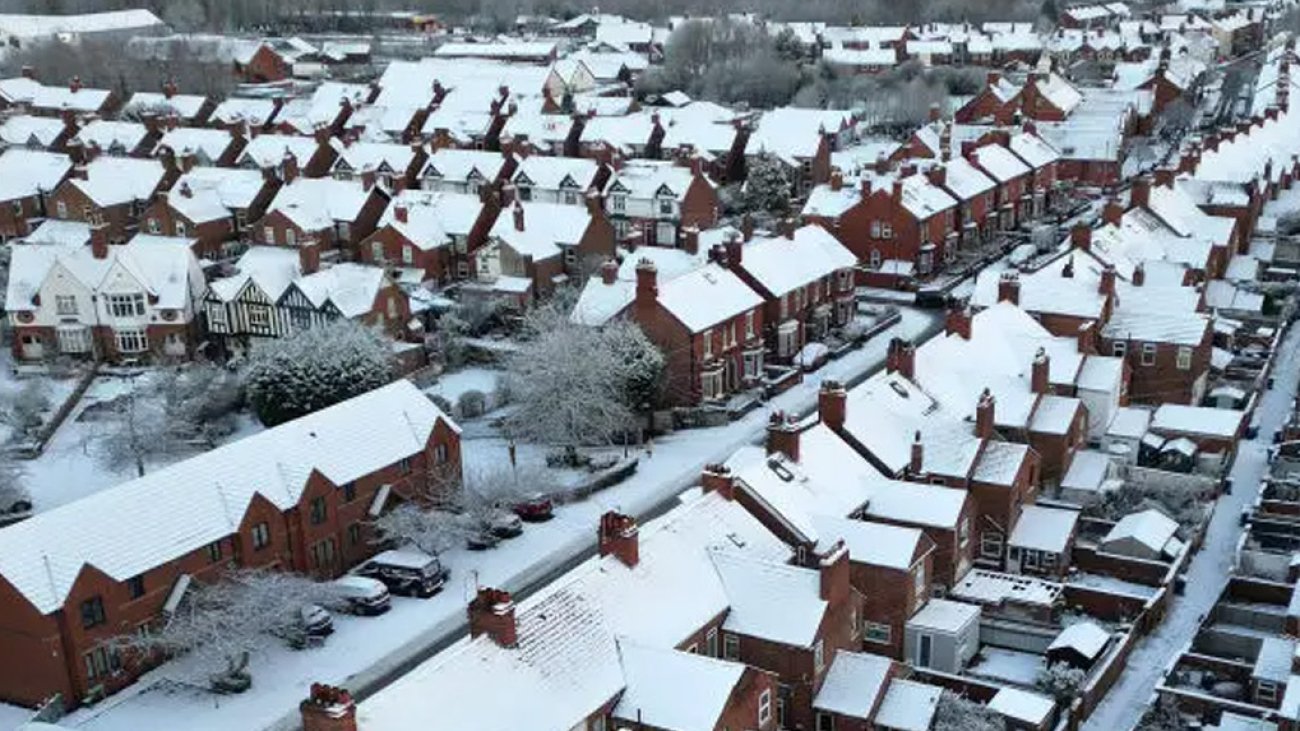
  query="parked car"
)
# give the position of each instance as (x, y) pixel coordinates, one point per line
(362, 595)
(313, 626)
(504, 524)
(480, 538)
(535, 509)
(407, 571)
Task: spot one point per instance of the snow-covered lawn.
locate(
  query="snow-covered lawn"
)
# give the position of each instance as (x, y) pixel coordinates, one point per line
(1021, 668)
(1112, 585)
(363, 652)
(12, 717)
(57, 388)
(1208, 573)
(451, 385)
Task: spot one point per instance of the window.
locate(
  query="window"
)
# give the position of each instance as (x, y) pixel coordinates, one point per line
(874, 259)
(135, 585)
(825, 722)
(666, 234)
(214, 551)
(259, 317)
(377, 251)
(440, 454)
(180, 227)
(875, 229)
(963, 533)
(92, 612)
(318, 510)
(918, 581)
(349, 491)
(153, 226)
(1030, 559)
(131, 341)
(765, 707)
(322, 554)
(886, 231)
(268, 234)
(991, 545)
(597, 724)
(731, 647)
(290, 237)
(711, 641)
(261, 536)
(126, 305)
(61, 209)
(65, 304)
(525, 193)
(693, 648)
(354, 534)
(392, 308)
(665, 206)
(1119, 349)
(1148, 354)
(819, 656)
(408, 255)
(876, 632)
(404, 466)
(618, 203)
(749, 325)
(570, 198)
(101, 661)
(345, 231)
(707, 337)
(1266, 691)
(1184, 358)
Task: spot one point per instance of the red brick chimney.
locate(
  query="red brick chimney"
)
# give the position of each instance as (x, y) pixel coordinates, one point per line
(897, 192)
(832, 404)
(1164, 177)
(328, 708)
(492, 613)
(29, 72)
(289, 168)
(518, 211)
(834, 570)
(368, 178)
(401, 212)
(691, 239)
(735, 251)
(1040, 372)
(837, 180)
(618, 535)
(1009, 288)
(783, 436)
(609, 271)
(937, 175)
(901, 358)
(984, 415)
(916, 463)
(309, 258)
(864, 187)
(718, 478)
(169, 89)
(1139, 277)
(1140, 195)
(1113, 213)
(935, 113)
(74, 86)
(1106, 285)
(957, 321)
(1081, 236)
(99, 241)
(647, 284)
(1087, 338)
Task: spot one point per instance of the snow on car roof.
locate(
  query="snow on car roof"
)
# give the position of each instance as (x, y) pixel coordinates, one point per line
(406, 558)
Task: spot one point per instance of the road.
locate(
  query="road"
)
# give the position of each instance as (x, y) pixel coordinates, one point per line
(1208, 573)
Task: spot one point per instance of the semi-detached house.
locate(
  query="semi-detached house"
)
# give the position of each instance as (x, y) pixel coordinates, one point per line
(212, 205)
(431, 236)
(656, 200)
(113, 191)
(295, 497)
(27, 177)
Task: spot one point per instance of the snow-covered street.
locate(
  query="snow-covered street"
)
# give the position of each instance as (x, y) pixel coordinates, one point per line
(365, 653)
(1208, 573)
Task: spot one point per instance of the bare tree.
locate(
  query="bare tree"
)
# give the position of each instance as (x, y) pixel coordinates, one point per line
(142, 430)
(24, 410)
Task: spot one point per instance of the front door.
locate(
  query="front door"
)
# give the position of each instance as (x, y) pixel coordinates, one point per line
(924, 648)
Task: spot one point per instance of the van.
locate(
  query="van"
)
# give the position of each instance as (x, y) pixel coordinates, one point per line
(408, 572)
(360, 595)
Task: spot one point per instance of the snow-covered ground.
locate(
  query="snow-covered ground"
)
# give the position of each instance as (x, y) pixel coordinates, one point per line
(451, 385)
(12, 717)
(364, 652)
(1021, 668)
(56, 388)
(1208, 573)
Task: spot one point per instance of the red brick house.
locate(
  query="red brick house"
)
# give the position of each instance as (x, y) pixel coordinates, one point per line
(63, 621)
(437, 234)
(29, 177)
(900, 225)
(654, 201)
(111, 191)
(333, 214)
(1013, 198)
(1045, 97)
(259, 64)
(214, 206)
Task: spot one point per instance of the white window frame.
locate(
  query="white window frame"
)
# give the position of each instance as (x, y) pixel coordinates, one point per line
(749, 325)
(991, 544)
(408, 255)
(874, 259)
(711, 641)
(1184, 358)
(618, 203)
(65, 305)
(259, 316)
(878, 633)
(1119, 349)
(268, 234)
(290, 237)
(765, 707)
(377, 251)
(730, 646)
(1149, 351)
(131, 340)
(126, 305)
(707, 335)
(819, 656)
(179, 226)
(886, 231)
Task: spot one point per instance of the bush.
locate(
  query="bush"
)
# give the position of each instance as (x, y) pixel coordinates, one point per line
(471, 404)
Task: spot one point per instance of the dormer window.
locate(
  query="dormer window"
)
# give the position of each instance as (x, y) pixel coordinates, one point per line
(618, 203)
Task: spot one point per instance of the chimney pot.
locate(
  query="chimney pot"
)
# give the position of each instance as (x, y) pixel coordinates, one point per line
(518, 211)
(609, 271)
(308, 258)
(1009, 288)
(99, 241)
(328, 708)
(1081, 236)
(832, 404)
(984, 415)
(1040, 376)
(957, 321)
(618, 535)
(783, 436)
(901, 358)
(492, 612)
(401, 212)
(718, 478)
(916, 463)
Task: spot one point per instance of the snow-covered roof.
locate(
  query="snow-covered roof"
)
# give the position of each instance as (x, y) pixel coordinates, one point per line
(316, 204)
(794, 135)
(1129, 422)
(513, 50)
(877, 544)
(388, 157)
(854, 684)
(671, 689)
(554, 173)
(37, 26)
(1054, 414)
(61, 98)
(651, 179)
(271, 268)
(1046, 529)
(116, 137)
(112, 181)
(1086, 638)
(1274, 659)
(909, 705)
(1088, 471)
(184, 106)
(885, 413)
(1023, 706)
(1059, 92)
(29, 130)
(1202, 420)
(265, 151)
(1000, 163)
(706, 296)
(1150, 527)
(566, 664)
(305, 114)
(164, 266)
(538, 229)
(780, 265)
(210, 194)
(1000, 463)
(352, 288)
(771, 601)
(206, 143)
(432, 217)
(1034, 150)
(181, 508)
(53, 231)
(453, 164)
(256, 112)
(25, 173)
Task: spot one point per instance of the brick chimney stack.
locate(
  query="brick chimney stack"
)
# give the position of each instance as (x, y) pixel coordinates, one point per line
(1081, 236)
(916, 464)
(718, 478)
(647, 283)
(782, 436)
(401, 212)
(735, 251)
(1106, 285)
(834, 570)
(691, 239)
(1087, 338)
(99, 241)
(308, 258)
(837, 180)
(957, 321)
(901, 358)
(492, 613)
(518, 210)
(1009, 288)
(1113, 213)
(328, 708)
(1041, 371)
(984, 415)
(1139, 275)
(609, 271)
(289, 168)
(1140, 195)
(618, 535)
(832, 404)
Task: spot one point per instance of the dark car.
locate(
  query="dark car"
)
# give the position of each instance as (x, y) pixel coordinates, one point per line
(408, 572)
